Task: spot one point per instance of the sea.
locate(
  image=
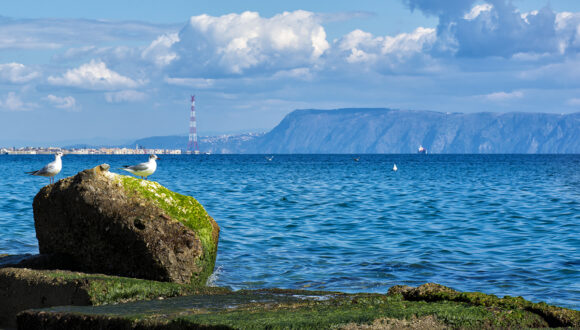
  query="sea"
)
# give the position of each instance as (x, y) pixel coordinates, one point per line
(498, 224)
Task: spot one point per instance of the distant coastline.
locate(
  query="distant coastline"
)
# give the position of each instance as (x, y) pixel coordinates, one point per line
(374, 131)
(88, 151)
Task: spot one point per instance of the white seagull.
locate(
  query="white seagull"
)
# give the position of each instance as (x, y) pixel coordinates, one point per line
(51, 169)
(144, 169)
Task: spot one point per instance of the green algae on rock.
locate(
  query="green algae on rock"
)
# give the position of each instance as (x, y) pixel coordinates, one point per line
(184, 209)
(22, 288)
(119, 225)
(433, 292)
(285, 309)
(104, 302)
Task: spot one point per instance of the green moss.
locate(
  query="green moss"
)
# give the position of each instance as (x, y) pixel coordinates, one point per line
(555, 316)
(276, 310)
(186, 210)
(105, 289)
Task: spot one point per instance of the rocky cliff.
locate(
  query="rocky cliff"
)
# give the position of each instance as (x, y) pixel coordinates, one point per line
(402, 131)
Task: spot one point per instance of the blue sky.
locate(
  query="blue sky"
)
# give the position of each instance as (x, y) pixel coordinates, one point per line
(117, 70)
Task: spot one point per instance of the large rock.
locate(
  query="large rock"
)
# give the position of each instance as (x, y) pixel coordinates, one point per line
(108, 223)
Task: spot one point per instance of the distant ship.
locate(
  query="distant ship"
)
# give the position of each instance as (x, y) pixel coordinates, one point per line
(421, 150)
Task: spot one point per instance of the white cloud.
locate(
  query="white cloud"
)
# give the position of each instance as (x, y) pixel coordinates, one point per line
(574, 102)
(568, 31)
(13, 102)
(406, 43)
(405, 51)
(159, 51)
(492, 28)
(363, 46)
(238, 44)
(17, 73)
(477, 10)
(360, 46)
(95, 76)
(67, 102)
(504, 96)
(125, 96)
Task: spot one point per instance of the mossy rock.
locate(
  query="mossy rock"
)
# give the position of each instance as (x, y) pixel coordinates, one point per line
(23, 288)
(103, 222)
(127, 303)
(433, 292)
(288, 309)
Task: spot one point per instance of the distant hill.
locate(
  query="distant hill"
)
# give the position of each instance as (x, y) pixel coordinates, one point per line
(402, 131)
(221, 144)
(162, 142)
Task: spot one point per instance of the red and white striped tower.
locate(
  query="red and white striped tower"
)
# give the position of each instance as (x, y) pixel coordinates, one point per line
(192, 145)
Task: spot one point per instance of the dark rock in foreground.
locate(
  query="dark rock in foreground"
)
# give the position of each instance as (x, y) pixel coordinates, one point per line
(298, 309)
(102, 222)
(110, 302)
(22, 288)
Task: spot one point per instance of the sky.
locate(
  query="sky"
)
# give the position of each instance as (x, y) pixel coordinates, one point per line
(114, 71)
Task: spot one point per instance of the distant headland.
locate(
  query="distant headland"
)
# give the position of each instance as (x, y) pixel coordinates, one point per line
(384, 131)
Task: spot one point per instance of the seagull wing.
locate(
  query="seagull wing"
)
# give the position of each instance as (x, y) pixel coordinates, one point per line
(48, 169)
(138, 167)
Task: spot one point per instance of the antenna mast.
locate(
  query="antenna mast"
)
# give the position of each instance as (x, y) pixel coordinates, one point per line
(192, 144)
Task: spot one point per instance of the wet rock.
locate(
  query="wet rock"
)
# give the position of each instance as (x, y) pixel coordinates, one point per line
(430, 292)
(119, 225)
(22, 289)
(399, 289)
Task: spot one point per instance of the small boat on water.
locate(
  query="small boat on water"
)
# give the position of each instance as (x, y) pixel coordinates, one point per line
(421, 150)
(395, 168)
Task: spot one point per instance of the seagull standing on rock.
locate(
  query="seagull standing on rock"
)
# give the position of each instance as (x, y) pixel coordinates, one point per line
(143, 170)
(51, 169)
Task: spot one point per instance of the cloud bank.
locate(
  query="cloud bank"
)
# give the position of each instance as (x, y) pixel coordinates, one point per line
(17, 73)
(94, 75)
(251, 70)
(237, 44)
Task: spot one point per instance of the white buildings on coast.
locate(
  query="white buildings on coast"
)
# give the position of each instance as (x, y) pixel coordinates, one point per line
(88, 151)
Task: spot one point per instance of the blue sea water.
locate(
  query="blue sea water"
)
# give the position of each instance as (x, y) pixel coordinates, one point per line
(500, 224)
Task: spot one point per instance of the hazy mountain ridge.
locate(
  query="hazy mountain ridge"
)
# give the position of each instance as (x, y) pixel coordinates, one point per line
(220, 144)
(381, 130)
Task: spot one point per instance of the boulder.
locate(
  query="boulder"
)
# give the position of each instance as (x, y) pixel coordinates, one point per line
(103, 222)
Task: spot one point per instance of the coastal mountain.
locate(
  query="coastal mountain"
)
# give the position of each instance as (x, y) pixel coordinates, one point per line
(381, 130)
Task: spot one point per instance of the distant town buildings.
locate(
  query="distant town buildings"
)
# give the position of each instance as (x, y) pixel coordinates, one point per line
(88, 151)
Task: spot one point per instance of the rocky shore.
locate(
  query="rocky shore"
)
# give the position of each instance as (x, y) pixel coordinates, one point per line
(122, 253)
